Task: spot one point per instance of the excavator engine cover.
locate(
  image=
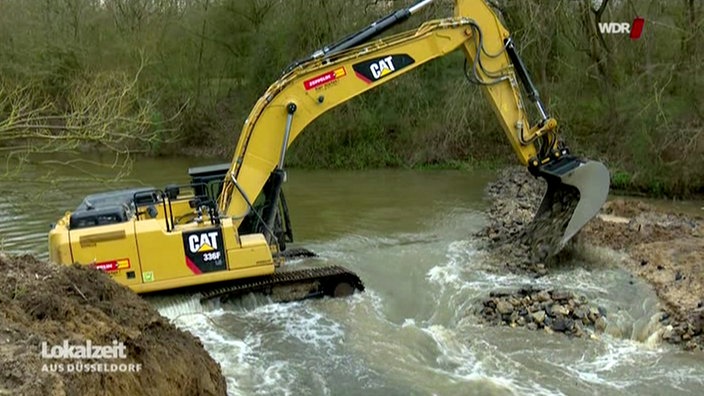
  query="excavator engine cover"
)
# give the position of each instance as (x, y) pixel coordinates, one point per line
(577, 189)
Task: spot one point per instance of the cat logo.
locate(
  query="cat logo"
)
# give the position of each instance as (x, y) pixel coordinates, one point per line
(382, 68)
(375, 69)
(201, 243)
(204, 250)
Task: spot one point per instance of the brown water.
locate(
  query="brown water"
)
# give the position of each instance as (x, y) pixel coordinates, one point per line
(407, 234)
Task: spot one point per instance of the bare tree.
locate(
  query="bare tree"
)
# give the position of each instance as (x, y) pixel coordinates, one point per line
(106, 114)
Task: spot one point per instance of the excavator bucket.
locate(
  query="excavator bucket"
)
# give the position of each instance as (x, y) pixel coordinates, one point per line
(576, 191)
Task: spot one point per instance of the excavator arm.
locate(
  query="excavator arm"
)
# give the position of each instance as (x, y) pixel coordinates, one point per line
(356, 64)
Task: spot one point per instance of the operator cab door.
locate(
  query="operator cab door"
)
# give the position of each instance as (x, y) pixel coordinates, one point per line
(111, 248)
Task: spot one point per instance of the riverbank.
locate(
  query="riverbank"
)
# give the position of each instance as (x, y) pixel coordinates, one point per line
(666, 249)
(44, 303)
(663, 247)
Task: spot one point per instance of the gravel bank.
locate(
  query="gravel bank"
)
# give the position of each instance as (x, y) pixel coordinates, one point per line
(663, 247)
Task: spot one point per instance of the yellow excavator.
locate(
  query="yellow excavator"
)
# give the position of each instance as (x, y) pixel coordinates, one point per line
(225, 232)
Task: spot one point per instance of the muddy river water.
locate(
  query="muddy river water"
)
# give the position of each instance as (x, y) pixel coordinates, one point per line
(408, 234)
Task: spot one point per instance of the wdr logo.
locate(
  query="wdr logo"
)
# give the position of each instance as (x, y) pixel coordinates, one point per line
(634, 29)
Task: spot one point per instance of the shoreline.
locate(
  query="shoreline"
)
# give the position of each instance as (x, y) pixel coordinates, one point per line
(663, 247)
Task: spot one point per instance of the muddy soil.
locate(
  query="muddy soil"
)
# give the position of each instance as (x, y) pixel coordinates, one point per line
(41, 302)
(664, 248)
(667, 250)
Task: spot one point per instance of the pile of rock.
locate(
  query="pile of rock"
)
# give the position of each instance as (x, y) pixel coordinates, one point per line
(527, 243)
(515, 196)
(552, 310)
(688, 332)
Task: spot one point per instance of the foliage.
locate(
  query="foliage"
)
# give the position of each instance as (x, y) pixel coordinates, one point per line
(201, 64)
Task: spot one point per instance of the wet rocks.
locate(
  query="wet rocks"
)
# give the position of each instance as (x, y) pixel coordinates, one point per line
(538, 317)
(504, 307)
(665, 249)
(552, 310)
(663, 246)
(684, 330)
(525, 239)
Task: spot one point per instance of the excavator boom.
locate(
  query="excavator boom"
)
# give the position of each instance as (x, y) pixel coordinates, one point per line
(356, 64)
(216, 236)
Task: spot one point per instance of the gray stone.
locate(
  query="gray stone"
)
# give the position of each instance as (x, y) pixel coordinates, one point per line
(514, 316)
(542, 296)
(581, 312)
(602, 311)
(538, 317)
(504, 307)
(561, 295)
(558, 309)
(562, 324)
(578, 326)
(600, 324)
(578, 332)
(697, 326)
(526, 290)
(593, 314)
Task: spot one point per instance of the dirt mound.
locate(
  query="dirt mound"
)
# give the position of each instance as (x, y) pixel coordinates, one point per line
(666, 249)
(624, 223)
(43, 306)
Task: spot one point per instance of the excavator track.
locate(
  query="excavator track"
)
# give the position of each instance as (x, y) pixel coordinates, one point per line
(292, 285)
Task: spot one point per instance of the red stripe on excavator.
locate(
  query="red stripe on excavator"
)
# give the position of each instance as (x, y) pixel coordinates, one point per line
(325, 78)
(193, 267)
(361, 77)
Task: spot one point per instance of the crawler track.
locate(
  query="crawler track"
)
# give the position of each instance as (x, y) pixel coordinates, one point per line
(333, 281)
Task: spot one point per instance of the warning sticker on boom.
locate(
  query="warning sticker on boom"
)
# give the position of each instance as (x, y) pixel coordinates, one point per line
(325, 78)
(204, 251)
